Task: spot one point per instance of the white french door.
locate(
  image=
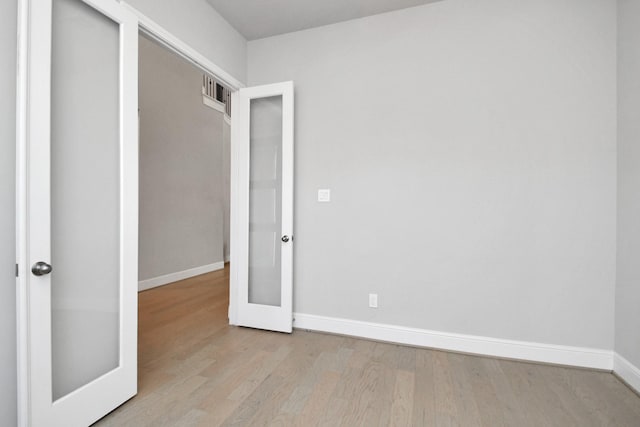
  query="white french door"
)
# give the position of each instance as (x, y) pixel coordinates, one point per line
(78, 210)
(262, 207)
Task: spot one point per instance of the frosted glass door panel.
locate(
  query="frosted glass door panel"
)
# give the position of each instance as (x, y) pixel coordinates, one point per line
(85, 195)
(265, 200)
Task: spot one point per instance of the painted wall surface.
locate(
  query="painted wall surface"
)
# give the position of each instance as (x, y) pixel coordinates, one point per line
(181, 197)
(628, 286)
(8, 23)
(196, 23)
(470, 149)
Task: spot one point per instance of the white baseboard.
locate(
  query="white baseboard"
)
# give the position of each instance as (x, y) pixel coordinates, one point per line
(143, 285)
(627, 371)
(522, 350)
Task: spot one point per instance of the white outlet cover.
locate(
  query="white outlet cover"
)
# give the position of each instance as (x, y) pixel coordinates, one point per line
(324, 195)
(373, 300)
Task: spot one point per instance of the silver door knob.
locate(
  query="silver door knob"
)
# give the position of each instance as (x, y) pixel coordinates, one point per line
(41, 268)
(285, 238)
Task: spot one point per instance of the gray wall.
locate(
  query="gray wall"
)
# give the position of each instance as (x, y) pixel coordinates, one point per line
(8, 379)
(628, 286)
(199, 25)
(470, 147)
(181, 177)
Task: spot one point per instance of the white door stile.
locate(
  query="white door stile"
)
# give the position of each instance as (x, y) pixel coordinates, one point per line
(287, 201)
(236, 217)
(95, 399)
(22, 306)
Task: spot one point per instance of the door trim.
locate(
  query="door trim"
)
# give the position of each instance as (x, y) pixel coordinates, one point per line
(157, 32)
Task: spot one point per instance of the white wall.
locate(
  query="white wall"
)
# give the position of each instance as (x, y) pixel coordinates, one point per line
(628, 286)
(470, 147)
(8, 22)
(181, 167)
(196, 23)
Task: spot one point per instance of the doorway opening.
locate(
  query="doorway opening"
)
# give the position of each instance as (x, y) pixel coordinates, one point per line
(184, 208)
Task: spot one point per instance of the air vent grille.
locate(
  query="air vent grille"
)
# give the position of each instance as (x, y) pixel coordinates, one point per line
(213, 89)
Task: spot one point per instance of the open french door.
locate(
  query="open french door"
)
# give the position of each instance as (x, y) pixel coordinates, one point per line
(78, 210)
(262, 207)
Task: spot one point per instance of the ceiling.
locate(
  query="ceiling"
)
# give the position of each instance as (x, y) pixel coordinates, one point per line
(256, 19)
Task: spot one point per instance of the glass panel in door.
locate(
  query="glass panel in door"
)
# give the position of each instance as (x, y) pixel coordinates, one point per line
(85, 195)
(265, 200)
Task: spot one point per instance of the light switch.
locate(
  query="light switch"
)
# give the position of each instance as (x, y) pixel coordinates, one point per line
(324, 195)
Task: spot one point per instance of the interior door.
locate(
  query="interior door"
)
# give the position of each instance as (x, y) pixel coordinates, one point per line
(78, 213)
(262, 207)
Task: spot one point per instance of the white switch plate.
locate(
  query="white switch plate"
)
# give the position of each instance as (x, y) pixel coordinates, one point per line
(373, 300)
(324, 195)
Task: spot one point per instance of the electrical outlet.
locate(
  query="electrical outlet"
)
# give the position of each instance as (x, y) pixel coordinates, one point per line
(373, 300)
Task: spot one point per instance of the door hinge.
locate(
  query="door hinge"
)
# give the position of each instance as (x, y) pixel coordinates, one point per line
(17, 270)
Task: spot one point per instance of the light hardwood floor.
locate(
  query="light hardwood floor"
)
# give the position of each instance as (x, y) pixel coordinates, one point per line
(195, 370)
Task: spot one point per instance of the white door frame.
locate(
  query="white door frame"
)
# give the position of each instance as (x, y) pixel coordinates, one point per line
(156, 32)
(163, 36)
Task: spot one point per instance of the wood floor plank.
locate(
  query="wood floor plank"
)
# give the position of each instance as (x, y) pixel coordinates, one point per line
(467, 405)
(512, 407)
(196, 370)
(319, 399)
(446, 407)
(490, 408)
(543, 401)
(280, 388)
(360, 391)
(402, 403)
(424, 413)
(606, 408)
(387, 356)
